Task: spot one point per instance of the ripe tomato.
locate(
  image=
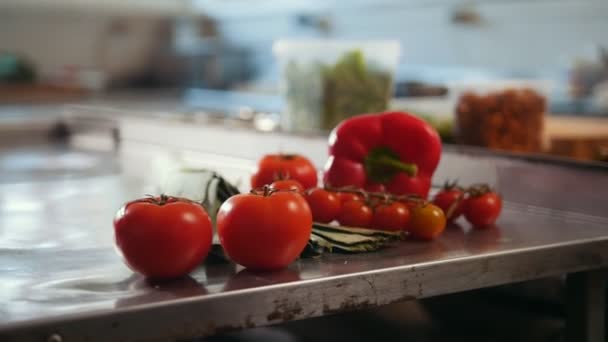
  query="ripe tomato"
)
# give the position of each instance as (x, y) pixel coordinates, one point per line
(355, 214)
(162, 237)
(264, 231)
(287, 185)
(375, 187)
(391, 216)
(445, 198)
(294, 166)
(426, 222)
(348, 196)
(325, 205)
(483, 210)
(411, 205)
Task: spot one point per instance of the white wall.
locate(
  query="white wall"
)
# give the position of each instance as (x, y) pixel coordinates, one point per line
(527, 35)
(531, 36)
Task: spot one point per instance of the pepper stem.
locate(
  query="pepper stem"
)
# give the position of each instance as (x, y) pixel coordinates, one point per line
(382, 164)
(410, 169)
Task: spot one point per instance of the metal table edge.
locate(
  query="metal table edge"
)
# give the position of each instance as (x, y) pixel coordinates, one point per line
(275, 303)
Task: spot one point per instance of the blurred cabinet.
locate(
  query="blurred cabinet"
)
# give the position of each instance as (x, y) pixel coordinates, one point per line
(131, 7)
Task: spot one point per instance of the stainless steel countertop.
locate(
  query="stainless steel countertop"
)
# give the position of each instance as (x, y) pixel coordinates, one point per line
(59, 273)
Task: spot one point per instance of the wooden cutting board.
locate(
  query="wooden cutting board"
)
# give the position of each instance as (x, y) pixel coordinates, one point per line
(581, 138)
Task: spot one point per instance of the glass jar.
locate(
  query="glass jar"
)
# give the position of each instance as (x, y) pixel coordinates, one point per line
(504, 117)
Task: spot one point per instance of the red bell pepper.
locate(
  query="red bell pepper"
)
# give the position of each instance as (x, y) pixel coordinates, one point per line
(396, 150)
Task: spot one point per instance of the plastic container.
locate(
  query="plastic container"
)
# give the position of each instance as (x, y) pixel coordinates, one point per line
(505, 115)
(324, 82)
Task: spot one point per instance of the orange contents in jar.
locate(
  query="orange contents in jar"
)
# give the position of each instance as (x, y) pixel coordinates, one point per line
(508, 120)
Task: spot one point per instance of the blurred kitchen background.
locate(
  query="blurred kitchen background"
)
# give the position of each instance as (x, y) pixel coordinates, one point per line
(69, 65)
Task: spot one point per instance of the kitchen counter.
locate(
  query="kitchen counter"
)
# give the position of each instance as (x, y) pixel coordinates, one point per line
(62, 279)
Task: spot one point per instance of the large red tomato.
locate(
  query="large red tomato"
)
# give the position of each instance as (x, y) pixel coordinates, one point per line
(162, 237)
(264, 231)
(274, 166)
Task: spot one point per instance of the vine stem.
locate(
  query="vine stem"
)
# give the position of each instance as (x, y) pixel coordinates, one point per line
(471, 191)
(267, 190)
(381, 195)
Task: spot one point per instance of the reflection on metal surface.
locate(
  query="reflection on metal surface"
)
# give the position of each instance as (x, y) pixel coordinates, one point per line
(67, 161)
(52, 162)
(58, 268)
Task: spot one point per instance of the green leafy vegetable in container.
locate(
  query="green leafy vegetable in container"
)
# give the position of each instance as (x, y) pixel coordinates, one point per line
(320, 96)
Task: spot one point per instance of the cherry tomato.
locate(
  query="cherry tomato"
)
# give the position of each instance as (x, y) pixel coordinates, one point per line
(483, 210)
(348, 196)
(287, 185)
(355, 214)
(445, 198)
(162, 237)
(264, 231)
(325, 205)
(427, 222)
(293, 166)
(375, 187)
(391, 216)
(411, 205)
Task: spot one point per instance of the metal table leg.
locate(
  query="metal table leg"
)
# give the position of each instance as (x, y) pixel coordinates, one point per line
(586, 306)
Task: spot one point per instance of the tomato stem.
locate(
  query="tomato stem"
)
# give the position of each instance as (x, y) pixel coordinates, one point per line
(288, 156)
(454, 205)
(477, 190)
(267, 190)
(281, 175)
(452, 185)
(163, 199)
